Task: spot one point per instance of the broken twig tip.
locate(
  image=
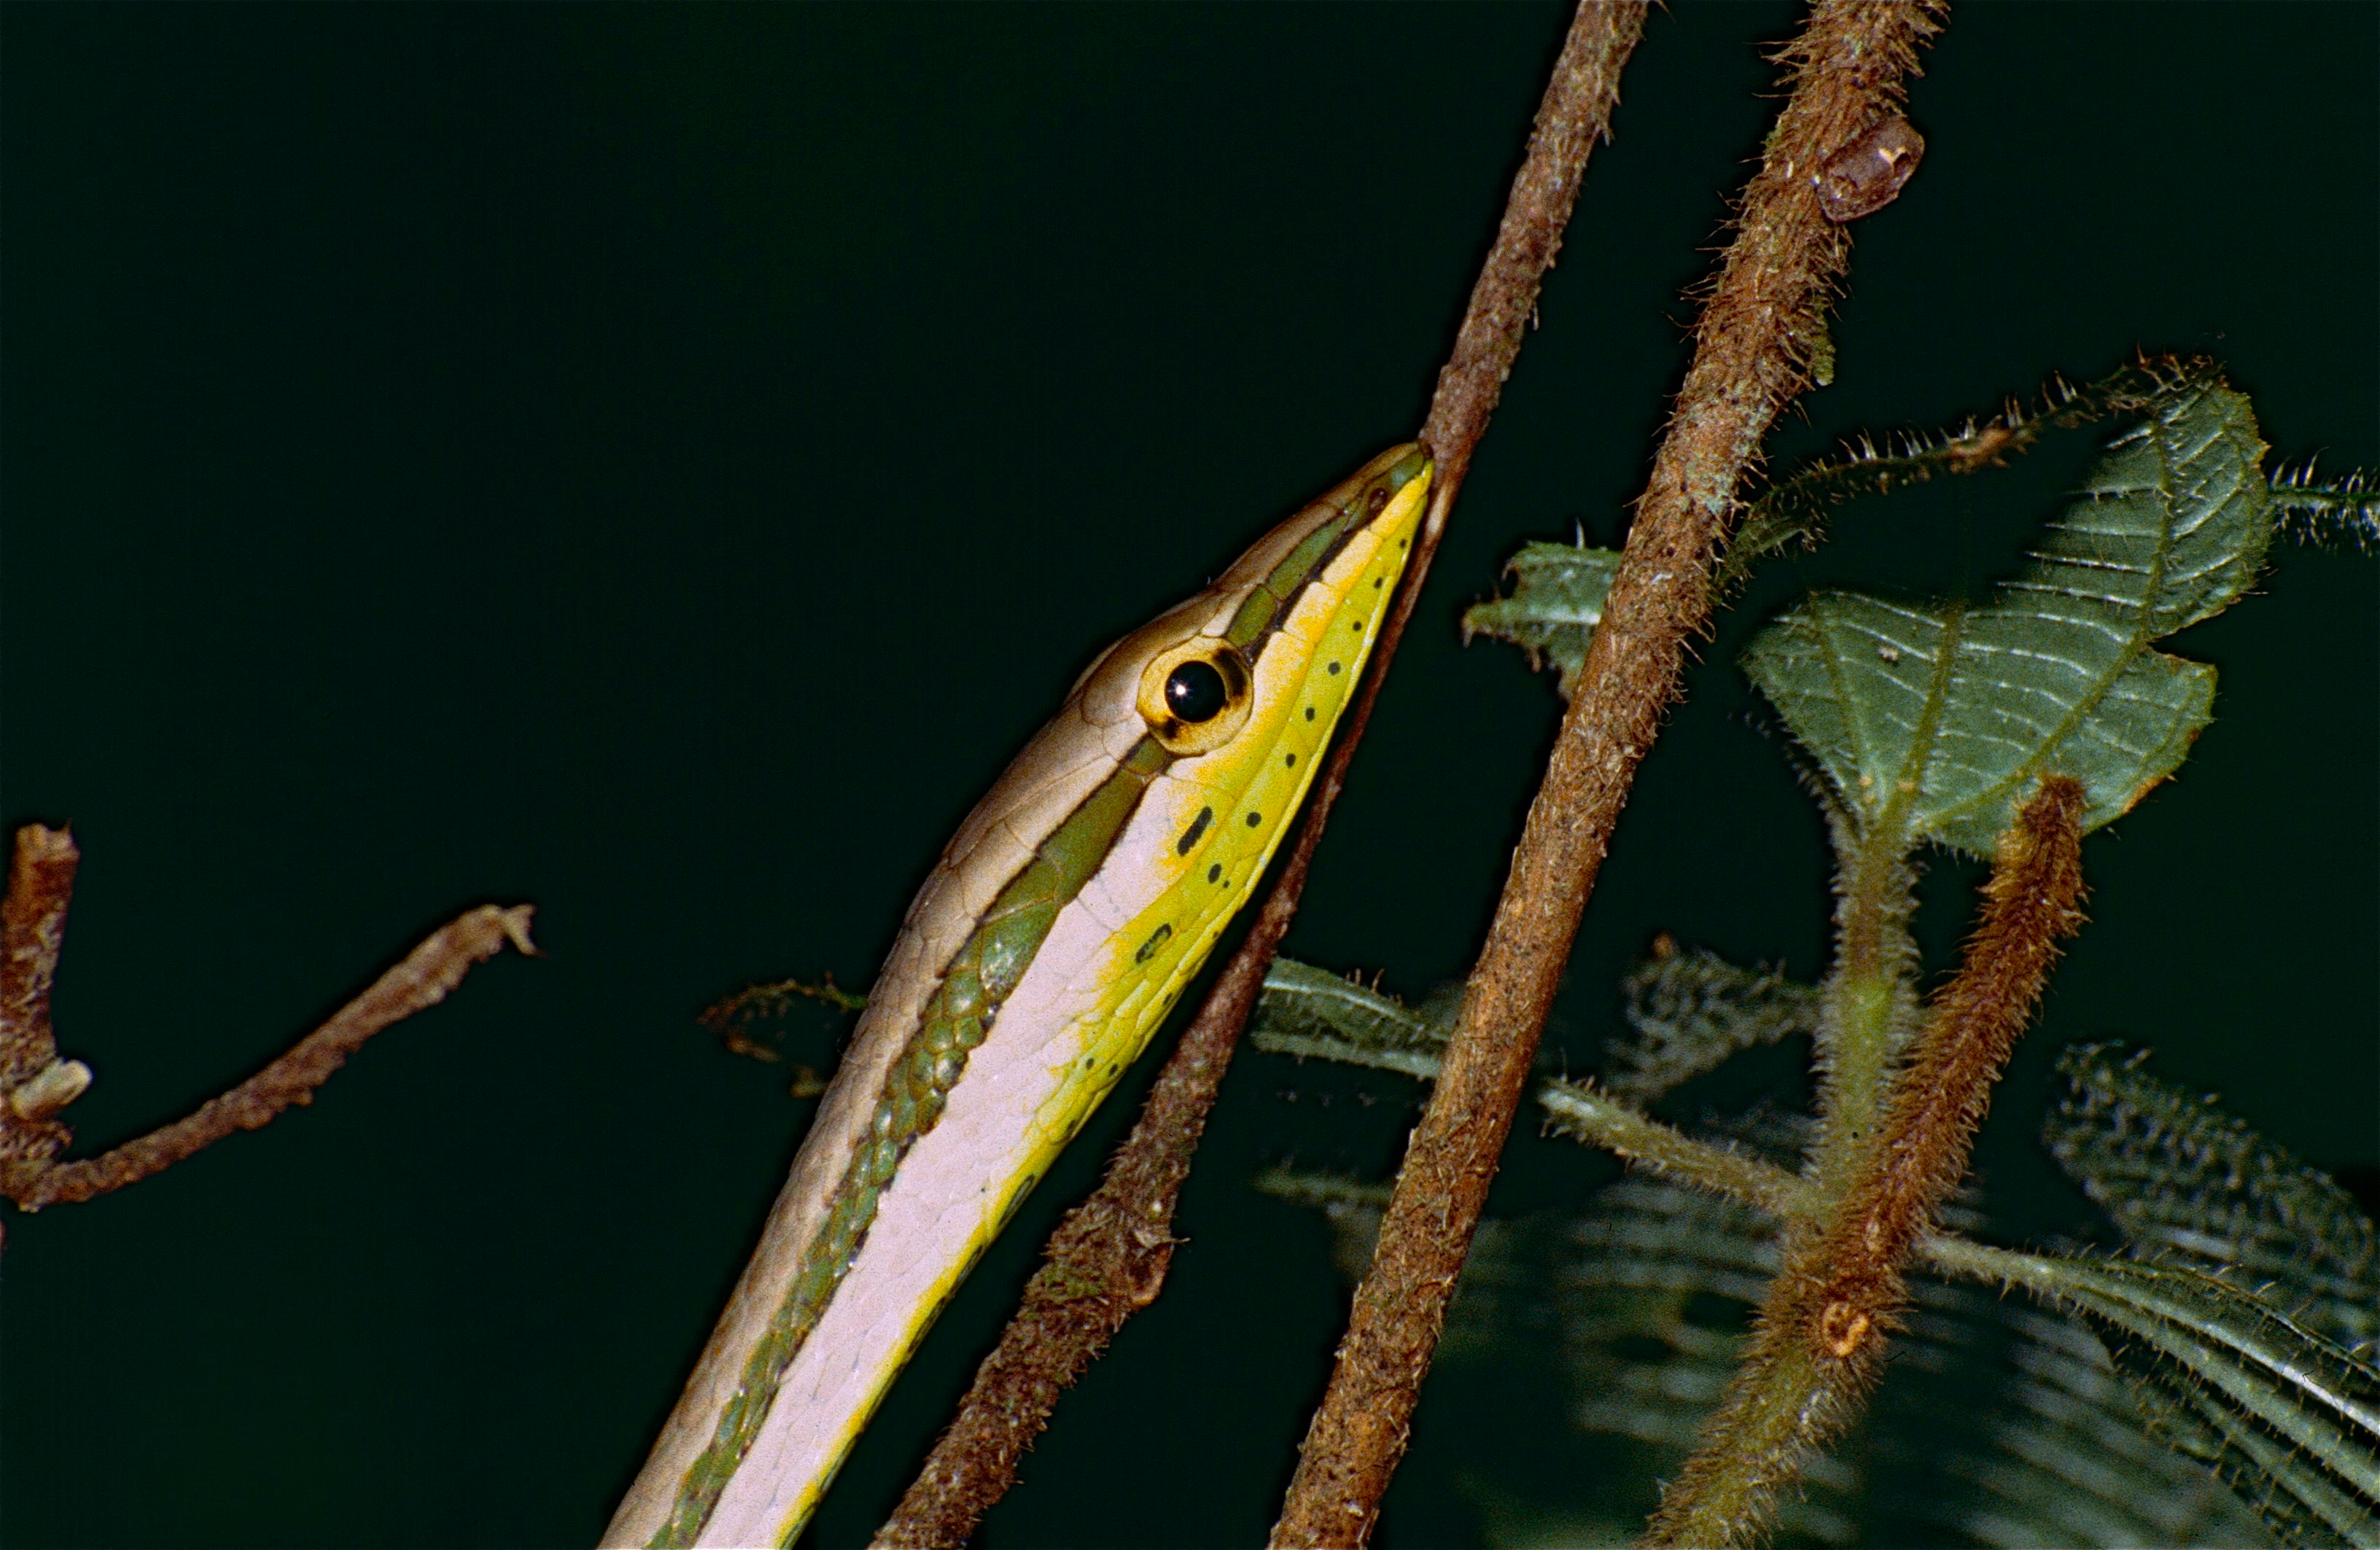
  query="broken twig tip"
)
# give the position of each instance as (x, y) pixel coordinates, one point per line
(515, 922)
(56, 1085)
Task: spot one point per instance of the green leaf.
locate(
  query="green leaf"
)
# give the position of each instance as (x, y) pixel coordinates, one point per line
(2290, 1421)
(2181, 1177)
(2174, 521)
(1555, 607)
(1935, 721)
(2065, 1459)
(1691, 1010)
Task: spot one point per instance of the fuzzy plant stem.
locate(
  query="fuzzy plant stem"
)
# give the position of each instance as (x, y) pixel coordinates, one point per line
(1602, 1120)
(1816, 1345)
(1870, 1008)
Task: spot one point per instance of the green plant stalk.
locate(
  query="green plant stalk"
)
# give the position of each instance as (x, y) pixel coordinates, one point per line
(1794, 1402)
(1870, 1009)
(1599, 1120)
(1968, 1260)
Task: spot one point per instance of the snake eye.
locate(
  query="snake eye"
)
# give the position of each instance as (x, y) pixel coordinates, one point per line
(1195, 692)
(1195, 695)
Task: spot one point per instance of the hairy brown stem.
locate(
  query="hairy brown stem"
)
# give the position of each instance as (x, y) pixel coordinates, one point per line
(1108, 1259)
(1818, 1343)
(422, 980)
(1848, 67)
(2032, 901)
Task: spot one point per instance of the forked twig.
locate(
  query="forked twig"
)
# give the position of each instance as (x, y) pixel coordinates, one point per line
(32, 923)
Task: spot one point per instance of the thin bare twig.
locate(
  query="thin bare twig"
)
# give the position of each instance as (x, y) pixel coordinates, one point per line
(1108, 1259)
(31, 926)
(1848, 68)
(1573, 118)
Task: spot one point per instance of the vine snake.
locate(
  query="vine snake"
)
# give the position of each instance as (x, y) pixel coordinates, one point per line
(1049, 941)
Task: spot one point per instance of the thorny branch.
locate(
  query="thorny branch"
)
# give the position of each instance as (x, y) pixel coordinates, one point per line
(1108, 1259)
(38, 1085)
(1847, 70)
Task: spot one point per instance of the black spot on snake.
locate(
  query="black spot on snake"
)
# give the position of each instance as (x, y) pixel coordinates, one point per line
(1198, 827)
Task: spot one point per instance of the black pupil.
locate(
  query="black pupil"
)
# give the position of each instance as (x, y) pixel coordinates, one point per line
(1195, 692)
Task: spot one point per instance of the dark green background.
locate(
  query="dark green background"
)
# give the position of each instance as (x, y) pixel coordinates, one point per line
(659, 463)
